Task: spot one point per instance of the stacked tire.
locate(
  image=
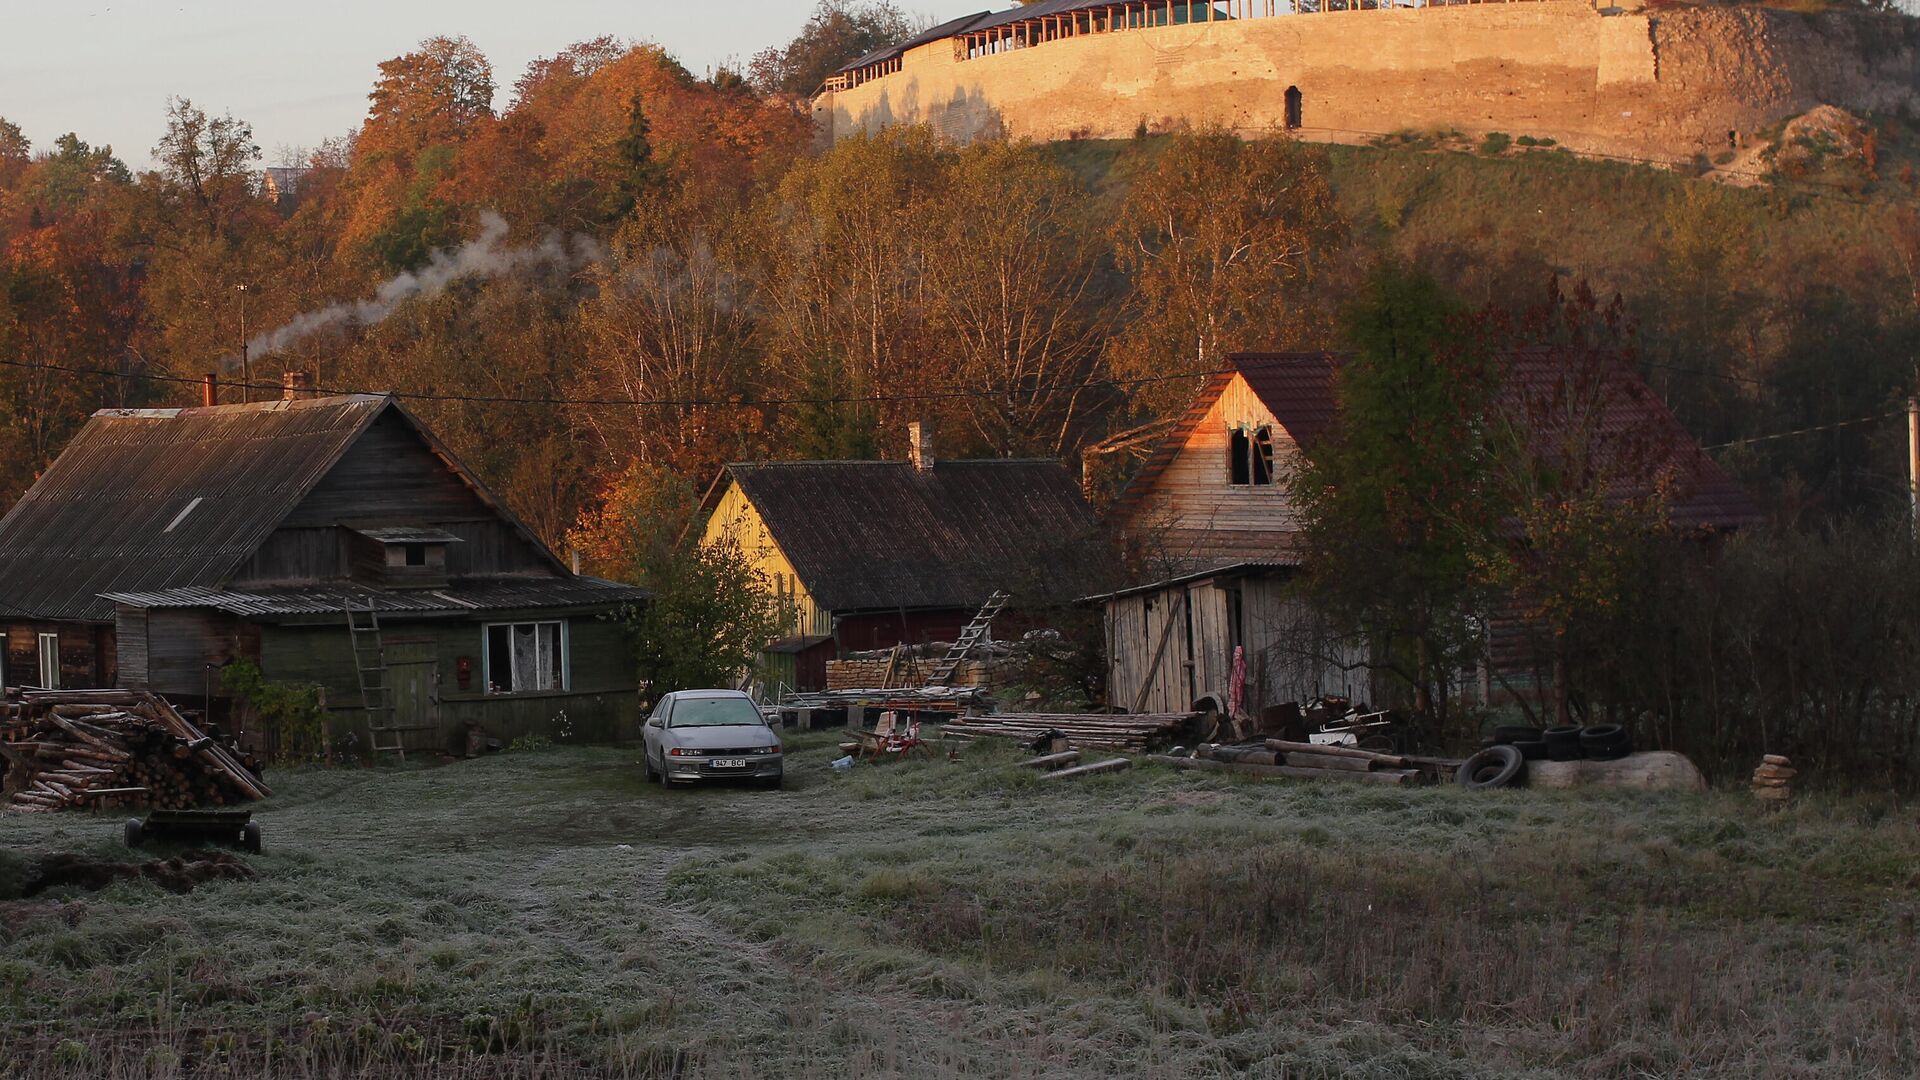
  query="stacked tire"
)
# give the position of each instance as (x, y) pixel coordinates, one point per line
(1505, 762)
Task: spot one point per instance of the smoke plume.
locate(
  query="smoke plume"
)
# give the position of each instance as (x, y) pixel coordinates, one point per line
(482, 256)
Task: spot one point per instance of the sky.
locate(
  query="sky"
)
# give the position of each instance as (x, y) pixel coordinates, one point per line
(299, 70)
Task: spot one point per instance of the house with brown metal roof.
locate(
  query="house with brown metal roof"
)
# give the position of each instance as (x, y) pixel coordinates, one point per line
(871, 554)
(1213, 510)
(332, 540)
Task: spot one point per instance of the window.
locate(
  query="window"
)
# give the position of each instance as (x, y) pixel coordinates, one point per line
(527, 658)
(49, 661)
(416, 554)
(1252, 457)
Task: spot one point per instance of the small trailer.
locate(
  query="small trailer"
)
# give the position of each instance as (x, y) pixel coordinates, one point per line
(227, 828)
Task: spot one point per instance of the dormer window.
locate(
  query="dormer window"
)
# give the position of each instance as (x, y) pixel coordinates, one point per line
(402, 557)
(1250, 463)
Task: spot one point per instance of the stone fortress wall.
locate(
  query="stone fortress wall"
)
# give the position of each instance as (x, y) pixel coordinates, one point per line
(1663, 86)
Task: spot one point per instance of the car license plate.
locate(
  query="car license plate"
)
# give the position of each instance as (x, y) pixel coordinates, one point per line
(730, 763)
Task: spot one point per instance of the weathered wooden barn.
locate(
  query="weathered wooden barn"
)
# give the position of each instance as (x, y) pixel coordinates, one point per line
(871, 554)
(332, 540)
(1214, 507)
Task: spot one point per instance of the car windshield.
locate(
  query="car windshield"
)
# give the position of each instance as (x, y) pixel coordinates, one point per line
(716, 712)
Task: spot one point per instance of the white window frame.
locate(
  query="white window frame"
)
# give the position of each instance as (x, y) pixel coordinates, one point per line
(486, 656)
(49, 661)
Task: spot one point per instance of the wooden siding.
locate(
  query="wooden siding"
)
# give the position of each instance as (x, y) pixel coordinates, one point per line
(1289, 656)
(1193, 515)
(299, 554)
(601, 704)
(736, 513)
(86, 653)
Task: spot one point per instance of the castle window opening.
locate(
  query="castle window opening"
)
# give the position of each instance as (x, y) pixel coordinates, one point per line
(1295, 108)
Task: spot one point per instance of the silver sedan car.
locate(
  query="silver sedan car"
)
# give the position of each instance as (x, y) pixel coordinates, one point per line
(711, 735)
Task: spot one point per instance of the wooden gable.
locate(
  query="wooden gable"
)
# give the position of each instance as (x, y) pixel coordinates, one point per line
(1190, 511)
(733, 512)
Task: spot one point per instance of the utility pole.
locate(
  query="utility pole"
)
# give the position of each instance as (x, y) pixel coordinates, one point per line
(1913, 460)
(246, 366)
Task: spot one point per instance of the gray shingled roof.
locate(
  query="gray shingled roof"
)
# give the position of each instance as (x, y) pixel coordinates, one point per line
(879, 535)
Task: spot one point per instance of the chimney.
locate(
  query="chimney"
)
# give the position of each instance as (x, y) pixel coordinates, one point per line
(295, 385)
(920, 446)
(210, 390)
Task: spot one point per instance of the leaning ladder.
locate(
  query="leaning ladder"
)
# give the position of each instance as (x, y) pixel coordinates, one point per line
(370, 667)
(971, 635)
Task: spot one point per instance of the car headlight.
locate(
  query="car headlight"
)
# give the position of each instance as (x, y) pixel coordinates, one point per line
(682, 751)
(766, 750)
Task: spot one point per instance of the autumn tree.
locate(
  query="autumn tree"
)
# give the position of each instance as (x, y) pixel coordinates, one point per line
(710, 612)
(16, 153)
(843, 255)
(838, 32)
(1393, 499)
(671, 320)
(1012, 299)
(1222, 240)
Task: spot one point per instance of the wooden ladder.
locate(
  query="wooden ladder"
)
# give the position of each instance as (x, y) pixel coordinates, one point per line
(370, 667)
(971, 635)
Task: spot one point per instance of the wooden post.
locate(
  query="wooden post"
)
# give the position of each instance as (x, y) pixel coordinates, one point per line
(1913, 459)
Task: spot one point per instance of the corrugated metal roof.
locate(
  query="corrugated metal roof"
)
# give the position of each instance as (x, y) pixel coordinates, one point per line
(947, 29)
(466, 596)
(409, 536)
(154, 499)
(879, 535)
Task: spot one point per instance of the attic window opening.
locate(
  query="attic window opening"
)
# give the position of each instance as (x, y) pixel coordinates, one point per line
(1251, 457)
(182, 515)
(416, 554)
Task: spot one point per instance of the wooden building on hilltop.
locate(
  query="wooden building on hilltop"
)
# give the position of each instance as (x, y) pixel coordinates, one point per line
(1214, 508)
(871, 554)
(166, 543)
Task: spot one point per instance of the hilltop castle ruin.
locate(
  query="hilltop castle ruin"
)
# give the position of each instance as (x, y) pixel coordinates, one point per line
(1668, 85)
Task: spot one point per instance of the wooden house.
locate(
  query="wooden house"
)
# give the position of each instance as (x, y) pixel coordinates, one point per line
(332, 540)
(871, 554)
(1213, 508)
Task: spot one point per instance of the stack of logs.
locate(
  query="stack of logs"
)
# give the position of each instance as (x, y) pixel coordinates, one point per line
(93, 749)
(1303, 761)
(1125, 732)
(1773, 780)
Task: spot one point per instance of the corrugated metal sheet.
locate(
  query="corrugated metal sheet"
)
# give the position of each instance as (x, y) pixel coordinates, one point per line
(879, 535)
(989, 20)
(154, 499)
(469, 596)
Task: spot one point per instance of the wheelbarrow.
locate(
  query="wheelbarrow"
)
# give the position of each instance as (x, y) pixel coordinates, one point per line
(227, 828)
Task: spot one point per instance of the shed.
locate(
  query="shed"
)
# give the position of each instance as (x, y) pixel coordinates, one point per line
(1214, 506)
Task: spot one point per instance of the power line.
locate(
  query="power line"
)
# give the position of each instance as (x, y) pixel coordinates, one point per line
(946, 394)
(1807, 430)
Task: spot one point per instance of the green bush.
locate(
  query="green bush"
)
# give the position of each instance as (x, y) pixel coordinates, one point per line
(290, 716)
(1496, 143)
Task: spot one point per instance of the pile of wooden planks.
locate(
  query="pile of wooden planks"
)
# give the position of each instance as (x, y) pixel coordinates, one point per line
(93, 749)
(1125, 732)
(1304, 761)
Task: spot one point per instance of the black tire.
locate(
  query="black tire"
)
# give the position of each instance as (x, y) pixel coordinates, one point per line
(1532, 750)
(1494, 767)
(1608, 739)
(1563, 743)
(1380, 744)
(647, 763)
(1509, 734)
(250, 837)
(135, 832)
(773, 783)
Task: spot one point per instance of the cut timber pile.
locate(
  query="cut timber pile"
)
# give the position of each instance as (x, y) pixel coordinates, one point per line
(1125, 732)
(90, 749)
(1303, 761)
